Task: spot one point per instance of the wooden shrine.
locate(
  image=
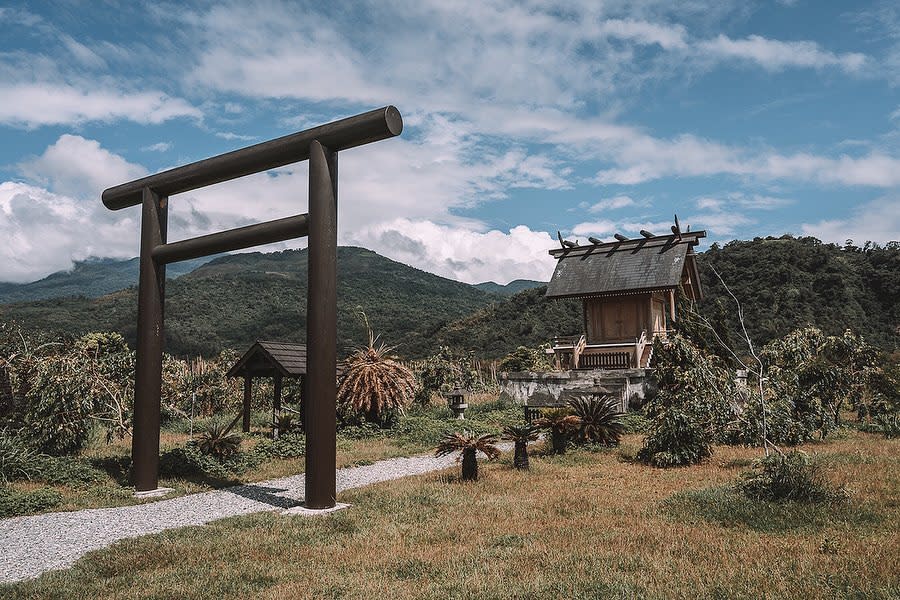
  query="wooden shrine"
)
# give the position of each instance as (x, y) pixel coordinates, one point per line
(628, 289)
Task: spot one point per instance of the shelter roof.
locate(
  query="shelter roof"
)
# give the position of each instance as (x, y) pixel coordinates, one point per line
(268, 359)
(629, 266)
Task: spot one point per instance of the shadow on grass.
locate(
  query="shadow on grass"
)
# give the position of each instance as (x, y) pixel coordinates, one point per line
(727, 507)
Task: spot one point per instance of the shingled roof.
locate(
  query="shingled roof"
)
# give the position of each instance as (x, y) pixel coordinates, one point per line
(640, 265)
(268, 359)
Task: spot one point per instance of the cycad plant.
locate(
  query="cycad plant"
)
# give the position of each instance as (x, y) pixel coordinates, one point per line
(469, 444)
(373, 383)
(520, 436)
(600, 420)
(561, 423)
(218, 441)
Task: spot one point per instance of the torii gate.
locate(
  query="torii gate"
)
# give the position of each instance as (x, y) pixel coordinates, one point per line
(320, 145)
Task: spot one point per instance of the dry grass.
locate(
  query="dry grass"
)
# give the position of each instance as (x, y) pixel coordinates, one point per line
(582, 525)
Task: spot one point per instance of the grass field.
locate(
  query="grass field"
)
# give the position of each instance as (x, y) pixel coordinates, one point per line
(584, 525)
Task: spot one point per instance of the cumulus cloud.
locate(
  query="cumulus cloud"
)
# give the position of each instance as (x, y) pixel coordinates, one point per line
(461, 253)
(44, 232)
(77, 166)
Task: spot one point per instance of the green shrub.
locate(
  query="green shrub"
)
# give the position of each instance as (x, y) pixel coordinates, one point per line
(635, 422)
(15, 502)
(790, 477)
(525, 359)
(17, 459)
(69, 470)
(291, 445)
(189, 461)
(889, 425)
(674, 439)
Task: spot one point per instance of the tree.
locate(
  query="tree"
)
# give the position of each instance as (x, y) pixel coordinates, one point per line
(373, 383)
(469, 444)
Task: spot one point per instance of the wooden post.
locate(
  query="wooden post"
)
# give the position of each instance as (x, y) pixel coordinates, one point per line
(150, 336)
(672, 303)
(276, 407)
(321, 334)
(248, 396)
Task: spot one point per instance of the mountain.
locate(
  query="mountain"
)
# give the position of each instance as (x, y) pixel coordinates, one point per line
(90, 278)
(236, 299)
(782, 283)
(513, 287)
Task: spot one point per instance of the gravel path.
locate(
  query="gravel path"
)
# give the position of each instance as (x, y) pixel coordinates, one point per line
(34, 544)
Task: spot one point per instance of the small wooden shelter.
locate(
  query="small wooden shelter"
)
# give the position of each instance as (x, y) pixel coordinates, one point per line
(278, 360)
(628, 289)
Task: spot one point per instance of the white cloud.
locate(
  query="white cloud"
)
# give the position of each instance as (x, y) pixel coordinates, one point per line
(876, 221)
(613, 203)
(667, 36)
(80, 167)
(595, 228)
(776, 55)
(36, 104)
(44, 232)
(158, 147)
(461, 253)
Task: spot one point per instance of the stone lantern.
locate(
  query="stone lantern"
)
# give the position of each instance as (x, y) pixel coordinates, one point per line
(456, 401)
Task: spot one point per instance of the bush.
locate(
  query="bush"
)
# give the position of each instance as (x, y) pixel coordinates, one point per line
(68, 470)
(674, 440)
(789, 477)
(15, 502)
(291, 445)
(634, 422)
(889, 426)
(17, 459)
(525, 359)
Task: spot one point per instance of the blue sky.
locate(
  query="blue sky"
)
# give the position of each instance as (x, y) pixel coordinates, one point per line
(521, 118)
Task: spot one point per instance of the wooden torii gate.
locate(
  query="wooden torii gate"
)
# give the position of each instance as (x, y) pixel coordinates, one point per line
(320, 145)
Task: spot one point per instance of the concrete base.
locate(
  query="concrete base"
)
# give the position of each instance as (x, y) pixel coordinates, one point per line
(302, 511)
(153, 493)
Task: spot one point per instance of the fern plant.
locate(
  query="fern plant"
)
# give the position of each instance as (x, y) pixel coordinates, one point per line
(469, 444)
(520, 436)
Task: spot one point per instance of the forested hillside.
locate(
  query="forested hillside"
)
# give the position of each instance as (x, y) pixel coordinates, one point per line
(90, 278)
(782, 283)
(234, 300)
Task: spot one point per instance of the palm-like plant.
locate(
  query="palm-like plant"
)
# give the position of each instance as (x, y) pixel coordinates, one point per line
(520, 436)
(600, 419)
(469, 444)
(374, 383)
(561, 423)
(218, 441)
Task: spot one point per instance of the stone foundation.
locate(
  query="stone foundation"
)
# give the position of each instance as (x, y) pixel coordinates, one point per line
(628, 386)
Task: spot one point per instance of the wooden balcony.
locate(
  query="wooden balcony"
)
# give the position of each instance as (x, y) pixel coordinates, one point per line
(573, 352)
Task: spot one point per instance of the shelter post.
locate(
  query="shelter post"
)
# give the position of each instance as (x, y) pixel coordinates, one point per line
(150, 336)
(321, 335)
(248, 396)
(276, 408)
